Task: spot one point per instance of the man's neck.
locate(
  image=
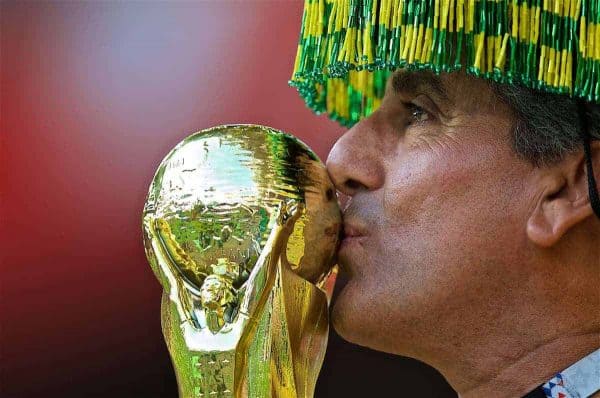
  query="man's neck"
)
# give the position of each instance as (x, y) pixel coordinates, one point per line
(538, 365)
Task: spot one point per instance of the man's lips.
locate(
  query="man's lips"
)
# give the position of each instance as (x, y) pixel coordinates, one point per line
(353, 233)
(353, 236)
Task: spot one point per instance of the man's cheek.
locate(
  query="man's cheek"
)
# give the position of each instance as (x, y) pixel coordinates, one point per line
(426, 187)
(407, 195)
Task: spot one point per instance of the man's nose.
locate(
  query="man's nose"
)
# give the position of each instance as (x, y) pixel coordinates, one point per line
(355, 162)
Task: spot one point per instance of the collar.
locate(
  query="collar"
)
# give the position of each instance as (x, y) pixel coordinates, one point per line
(580, 380)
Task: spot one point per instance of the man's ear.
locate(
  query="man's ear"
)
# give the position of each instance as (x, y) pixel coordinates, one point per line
(565, 202)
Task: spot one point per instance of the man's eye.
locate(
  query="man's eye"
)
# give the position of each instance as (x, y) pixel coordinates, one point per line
(417, 114)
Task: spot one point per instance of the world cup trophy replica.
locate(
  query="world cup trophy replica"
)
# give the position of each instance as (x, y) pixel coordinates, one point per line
(240, 227)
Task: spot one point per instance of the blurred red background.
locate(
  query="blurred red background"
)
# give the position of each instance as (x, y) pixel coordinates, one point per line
(93, 95)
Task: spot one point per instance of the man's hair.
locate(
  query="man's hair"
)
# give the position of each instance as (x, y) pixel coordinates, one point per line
(548, 126)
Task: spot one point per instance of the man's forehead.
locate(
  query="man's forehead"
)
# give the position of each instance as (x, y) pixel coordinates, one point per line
(450, 88)
(411, 82)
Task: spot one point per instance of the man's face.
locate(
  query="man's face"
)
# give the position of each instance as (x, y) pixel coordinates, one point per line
(435, 224)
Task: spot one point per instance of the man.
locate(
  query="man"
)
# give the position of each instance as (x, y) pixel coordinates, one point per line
(471, 241)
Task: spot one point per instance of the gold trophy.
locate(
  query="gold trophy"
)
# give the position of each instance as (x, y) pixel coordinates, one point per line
(240, 227)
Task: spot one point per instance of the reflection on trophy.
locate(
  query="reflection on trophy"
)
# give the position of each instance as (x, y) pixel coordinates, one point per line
(240, 227)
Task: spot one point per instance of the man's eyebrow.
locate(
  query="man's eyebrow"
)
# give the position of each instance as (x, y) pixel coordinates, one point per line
(415, 82)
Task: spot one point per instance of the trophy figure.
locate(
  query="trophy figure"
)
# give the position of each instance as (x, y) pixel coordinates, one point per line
(240, 227)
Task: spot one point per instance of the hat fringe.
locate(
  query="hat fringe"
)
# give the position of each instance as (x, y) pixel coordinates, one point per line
(551, 45)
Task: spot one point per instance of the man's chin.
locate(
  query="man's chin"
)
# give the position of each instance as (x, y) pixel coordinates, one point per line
(344, 315)
(339, 323)
(356, 319)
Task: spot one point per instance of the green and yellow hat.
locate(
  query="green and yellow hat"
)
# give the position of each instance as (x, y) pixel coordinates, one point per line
(348, 48)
